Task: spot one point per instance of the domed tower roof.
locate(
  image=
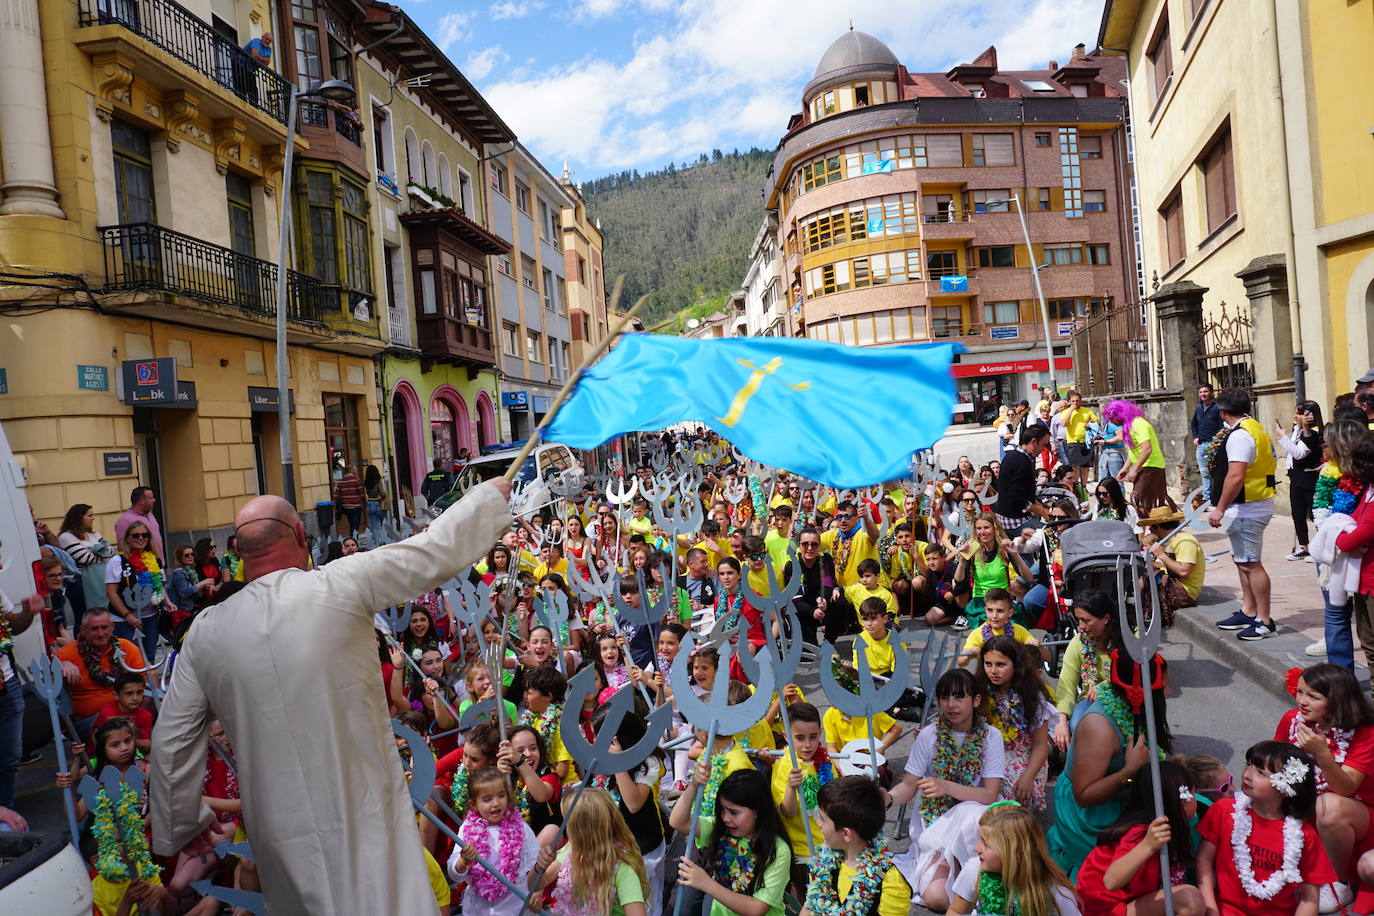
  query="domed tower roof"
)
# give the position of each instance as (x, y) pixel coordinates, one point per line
(855, 49)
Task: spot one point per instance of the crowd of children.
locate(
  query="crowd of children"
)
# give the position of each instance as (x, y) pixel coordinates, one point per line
(783, 809)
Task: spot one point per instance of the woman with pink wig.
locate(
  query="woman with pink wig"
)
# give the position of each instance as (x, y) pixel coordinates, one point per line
(1144, 458)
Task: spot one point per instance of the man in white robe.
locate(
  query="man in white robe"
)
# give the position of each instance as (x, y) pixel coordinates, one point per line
(289, 665)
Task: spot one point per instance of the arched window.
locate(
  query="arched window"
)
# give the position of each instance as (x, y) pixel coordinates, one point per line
(427, 163)
(445, 185)
(450, 427)
(413, 156)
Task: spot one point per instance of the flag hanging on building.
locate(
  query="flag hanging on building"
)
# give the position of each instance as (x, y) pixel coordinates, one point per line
(842, 416)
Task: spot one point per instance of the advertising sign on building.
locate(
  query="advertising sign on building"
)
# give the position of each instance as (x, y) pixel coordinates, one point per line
(1006, 332)
(1065, 329)
(515, 399)
(118, 464)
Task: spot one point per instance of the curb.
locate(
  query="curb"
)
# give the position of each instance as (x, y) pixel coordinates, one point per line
(1264, 670)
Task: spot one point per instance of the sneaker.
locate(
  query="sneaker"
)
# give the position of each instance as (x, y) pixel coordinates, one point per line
(1237, 621)
(960, 623)
(1299, 553)
(906, 714)
(1257, 631)
(677, 789)
(1334, 897)
(1316, 650)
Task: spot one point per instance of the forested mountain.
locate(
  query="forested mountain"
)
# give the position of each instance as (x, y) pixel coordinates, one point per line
(682, 234)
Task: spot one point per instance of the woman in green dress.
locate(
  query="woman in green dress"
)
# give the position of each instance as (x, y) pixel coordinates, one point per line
(1108, 750)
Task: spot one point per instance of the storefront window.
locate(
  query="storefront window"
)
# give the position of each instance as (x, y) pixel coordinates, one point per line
(341, 432)
(444, 431)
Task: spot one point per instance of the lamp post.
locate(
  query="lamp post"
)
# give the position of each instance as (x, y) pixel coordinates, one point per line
(334, 91)
(839, 325)
(1035, 274)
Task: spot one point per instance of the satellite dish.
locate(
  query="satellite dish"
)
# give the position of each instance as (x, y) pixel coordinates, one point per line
(693, 323)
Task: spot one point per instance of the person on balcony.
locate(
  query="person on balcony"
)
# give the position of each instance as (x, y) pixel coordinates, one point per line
(260, 49)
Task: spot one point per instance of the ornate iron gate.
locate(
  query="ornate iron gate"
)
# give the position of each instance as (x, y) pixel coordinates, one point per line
(1226, 350)
(1111, 350)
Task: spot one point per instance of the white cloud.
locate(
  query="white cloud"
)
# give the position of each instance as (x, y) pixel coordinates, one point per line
(453, 27)
(514, 9)
(724, 73)
(480, 63)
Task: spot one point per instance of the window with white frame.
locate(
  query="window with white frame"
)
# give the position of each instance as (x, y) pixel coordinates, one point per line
(382, 140)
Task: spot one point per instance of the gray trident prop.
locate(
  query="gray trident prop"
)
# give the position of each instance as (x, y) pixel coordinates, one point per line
(932, 668)
(870, 698)
(717, 715)
(1141, 639)
(551, 609)
(684, 517)
(779, 606)
(595, 758)
(110, 781)
(47, 683)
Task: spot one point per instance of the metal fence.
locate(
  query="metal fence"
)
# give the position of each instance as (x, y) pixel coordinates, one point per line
(1112, 350)
(189, 39)
(1226, 350)
(141, 256)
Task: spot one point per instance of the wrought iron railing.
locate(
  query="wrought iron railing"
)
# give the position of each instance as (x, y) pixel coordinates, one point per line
(191, 40)
(140, 256)
(1111, 350)
(348, 128)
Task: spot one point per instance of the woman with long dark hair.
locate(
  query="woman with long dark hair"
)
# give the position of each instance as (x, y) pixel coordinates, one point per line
(90, 552)
(1110, 503)
(1303, 444)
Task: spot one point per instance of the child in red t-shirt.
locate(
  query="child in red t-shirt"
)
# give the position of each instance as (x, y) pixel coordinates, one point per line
(1121, 874)
(1258, 856)
(1334, 724)
(127, 704)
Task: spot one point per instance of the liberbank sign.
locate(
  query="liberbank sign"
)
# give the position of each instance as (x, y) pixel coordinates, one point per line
(153, 383)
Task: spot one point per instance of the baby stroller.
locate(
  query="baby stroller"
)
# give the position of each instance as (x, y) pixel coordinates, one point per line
(1102, 556)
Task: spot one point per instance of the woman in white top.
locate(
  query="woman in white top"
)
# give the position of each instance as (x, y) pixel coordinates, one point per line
(90, 552)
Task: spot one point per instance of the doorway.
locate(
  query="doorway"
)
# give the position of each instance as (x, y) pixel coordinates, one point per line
(150, 461)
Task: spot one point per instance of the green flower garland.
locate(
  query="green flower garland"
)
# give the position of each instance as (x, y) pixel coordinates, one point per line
(546, 723)
(823, 897)
(118, 829)
(1117, 710)
(992, 896)
(734, 864)
(459, 793)
(961, 763)
(713, 781)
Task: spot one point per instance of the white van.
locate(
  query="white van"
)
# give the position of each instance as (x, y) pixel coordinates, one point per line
(543, 463)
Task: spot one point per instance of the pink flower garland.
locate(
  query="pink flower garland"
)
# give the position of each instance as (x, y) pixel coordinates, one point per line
(511, 838)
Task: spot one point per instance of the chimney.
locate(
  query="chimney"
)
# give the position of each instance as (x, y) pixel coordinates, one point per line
(1079, 51)
(1054, 65)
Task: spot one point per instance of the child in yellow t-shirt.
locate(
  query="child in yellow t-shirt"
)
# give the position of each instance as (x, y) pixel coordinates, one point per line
(873, 641)
(998, 604)
(850, 825)
(868, 587)
(841, 729)
(791, 786)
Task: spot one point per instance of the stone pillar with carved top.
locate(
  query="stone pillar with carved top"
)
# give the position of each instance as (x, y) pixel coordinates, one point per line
(27, 185)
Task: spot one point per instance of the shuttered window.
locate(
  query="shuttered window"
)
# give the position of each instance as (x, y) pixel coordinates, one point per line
(1161, 58)
(945, 149)
(992, 149)
(1219, 181)
(1172, 215)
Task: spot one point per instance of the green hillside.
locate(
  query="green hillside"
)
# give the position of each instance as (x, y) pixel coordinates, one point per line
(682, 234)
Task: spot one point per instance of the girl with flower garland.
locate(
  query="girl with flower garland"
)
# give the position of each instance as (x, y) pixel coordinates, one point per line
(599, 871)
(1334, 724)
(748, 858)
(452, 781)
(495, 830)
(137, 574)
(985, 563)
(1259, 856)
(852, 872)
(536, 787)
(1015, 873)
(1120, 877)
(1336, 492)
(1106, 754)
(609, 662)
(1087, 661)
(420, 633)
(635, 793)
(1017, 704)
(956, 768)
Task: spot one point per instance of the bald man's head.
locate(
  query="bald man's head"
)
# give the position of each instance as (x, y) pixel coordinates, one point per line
(267, 524)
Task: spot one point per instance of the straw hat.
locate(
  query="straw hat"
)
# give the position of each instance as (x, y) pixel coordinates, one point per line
(1160, 515)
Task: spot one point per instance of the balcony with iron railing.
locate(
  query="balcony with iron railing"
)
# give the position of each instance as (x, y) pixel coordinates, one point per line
(947, 224)
(176, 31)
(144, 256)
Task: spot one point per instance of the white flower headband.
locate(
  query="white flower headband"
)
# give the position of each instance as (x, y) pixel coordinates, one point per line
(1185, 794)
(1285, 781)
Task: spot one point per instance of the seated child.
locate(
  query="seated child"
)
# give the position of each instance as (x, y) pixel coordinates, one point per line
(129, 689)
(854, 872)
(998, 605)
(868, 586)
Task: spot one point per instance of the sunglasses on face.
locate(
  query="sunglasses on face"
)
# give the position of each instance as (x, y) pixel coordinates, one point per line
(811, 544)
(1057, 517)
(970, 501)
(757, 557)
(843, 517)
(140, 534)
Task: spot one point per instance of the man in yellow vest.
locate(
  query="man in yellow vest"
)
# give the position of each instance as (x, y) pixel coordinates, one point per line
(1243, 480)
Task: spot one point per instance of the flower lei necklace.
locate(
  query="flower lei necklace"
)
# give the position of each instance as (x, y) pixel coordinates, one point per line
(1241, 824)
(1117, 710)
(823, 899)
(566, 894)
(511, 839)
(1338, 739)
(147, 573)
(6, 637)
(812, 782)
(727, 604)
(459, 793)
(1347, 494)
(960, 763)
(607, 784)
(119, 824)
(1006, 714)
(1089, 676)
(546, 722)
(992, 895)
(713, 781)
(734, 864)
(94, 661)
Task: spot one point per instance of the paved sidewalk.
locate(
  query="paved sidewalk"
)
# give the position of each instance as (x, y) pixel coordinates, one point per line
(1296, 604)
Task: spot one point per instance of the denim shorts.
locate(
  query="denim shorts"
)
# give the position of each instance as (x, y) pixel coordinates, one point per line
(1247, 538)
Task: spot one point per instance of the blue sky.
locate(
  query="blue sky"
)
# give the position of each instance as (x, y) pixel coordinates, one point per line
(615, 84)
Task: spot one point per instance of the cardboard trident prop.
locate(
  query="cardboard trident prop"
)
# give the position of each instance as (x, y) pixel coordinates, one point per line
(551, 609)
(779, 606)
(716, 715)
(1141, 639)
(595, 758)
(47, 683)
(110, 781)
(870, 698)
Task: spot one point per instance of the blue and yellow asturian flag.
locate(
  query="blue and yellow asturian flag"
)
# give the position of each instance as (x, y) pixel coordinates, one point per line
(842, 416)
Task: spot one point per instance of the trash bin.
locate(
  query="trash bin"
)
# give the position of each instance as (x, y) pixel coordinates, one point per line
(324, 518)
